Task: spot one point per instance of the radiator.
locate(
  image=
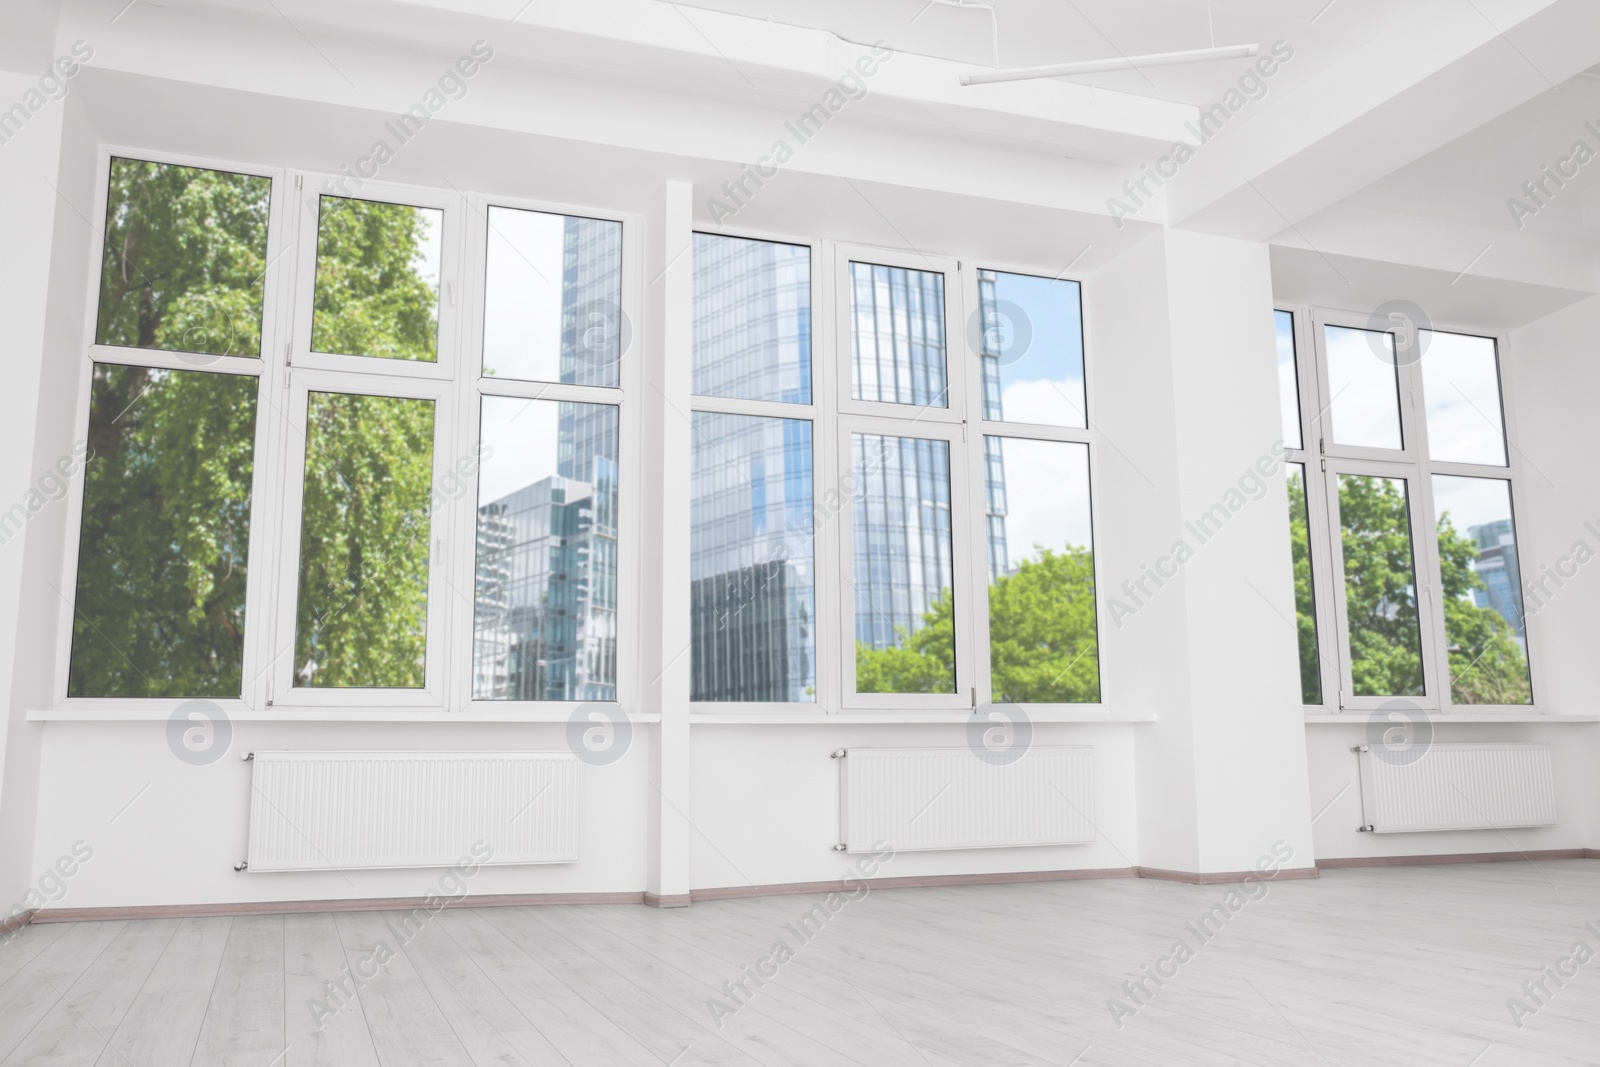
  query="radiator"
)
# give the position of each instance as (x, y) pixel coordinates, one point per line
(335, 810)
(1458, 787)
(935, 798)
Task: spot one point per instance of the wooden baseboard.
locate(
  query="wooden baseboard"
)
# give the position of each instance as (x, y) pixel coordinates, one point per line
(1225, 877)
(668, 900)
(15, 922)
(922, 881)
(296, 907)
(1346, 862)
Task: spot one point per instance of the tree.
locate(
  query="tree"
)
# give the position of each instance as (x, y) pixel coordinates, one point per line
(161, 577)
(1042, 638)
(1304, 600)
(1486, 663)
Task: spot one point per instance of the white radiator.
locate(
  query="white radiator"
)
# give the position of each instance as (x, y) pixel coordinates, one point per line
(932, 798)
(334, 810)
(1457, 787)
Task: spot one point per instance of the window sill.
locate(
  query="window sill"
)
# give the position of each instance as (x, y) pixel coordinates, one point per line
(878, 718)
(101, 714)
(1360, 718)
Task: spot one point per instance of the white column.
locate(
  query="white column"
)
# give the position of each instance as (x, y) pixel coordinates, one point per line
(666, 614)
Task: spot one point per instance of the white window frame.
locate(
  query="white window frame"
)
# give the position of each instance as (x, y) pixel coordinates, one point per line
(1324, 461)
(475, 387)
(288, 371)
(824, 421)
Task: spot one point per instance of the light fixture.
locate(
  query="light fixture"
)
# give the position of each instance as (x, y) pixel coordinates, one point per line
(1100, 66)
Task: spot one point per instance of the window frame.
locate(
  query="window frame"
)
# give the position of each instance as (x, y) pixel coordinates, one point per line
(474, 387)
(263, 496)
(287, 371)
(825, 563)
(1324, 461)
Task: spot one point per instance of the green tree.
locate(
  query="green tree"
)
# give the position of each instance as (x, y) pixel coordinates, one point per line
(184, 260)
(1042, 638)
(1486, 663)
(1304, 599)
(165, 529)
(165, 535)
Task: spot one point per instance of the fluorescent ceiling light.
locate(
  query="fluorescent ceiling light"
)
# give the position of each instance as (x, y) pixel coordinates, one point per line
(1100, 66)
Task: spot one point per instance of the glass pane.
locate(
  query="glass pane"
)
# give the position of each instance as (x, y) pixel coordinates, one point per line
(897, 335)
(1380, 586)
(553, 298)
(1042, 637)
(1305, 601)
(904, 601)
(1461, 380)
(185, 259)
(165, 533)
(546, 620)
(1288, 381)
(1363, 390)
(377, 290)
(364, 542)
(752, 319)
(752, 590)
(1482, 585)
(1030, 338)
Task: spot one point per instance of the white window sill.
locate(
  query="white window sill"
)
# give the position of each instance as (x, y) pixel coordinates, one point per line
(875, 718)
(309, 714)
(1360, 717)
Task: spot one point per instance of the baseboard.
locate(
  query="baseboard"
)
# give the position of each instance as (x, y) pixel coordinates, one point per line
(296, 907)
(1346, 862)
(921, 881)
(1225, 877)
(668, 900)
(15, 922)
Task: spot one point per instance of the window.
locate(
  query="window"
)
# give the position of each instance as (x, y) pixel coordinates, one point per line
(752, 570)
(165, 546)
(1407, 585)
(968, 544)
(364, 450)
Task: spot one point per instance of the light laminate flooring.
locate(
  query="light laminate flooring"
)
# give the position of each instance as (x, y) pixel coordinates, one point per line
(1405, 966)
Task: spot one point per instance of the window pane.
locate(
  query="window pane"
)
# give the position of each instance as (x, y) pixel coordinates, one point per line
(752, 589)
(546, 620)
(185, 259)
(1461, 380)
(1363, 391)
(1305, 602)
(752, 319)
(553, 298)
(1482, 585)
(897, 335)
(1380, 586)
(905, 605)
(377, 280)
(1288, 381)
(1031, 341)
(364, 542)
(165, 534)
(1042, 637)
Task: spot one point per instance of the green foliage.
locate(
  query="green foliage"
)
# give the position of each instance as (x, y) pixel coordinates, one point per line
(370, 299)
(184, 260)
(1042, 638)
(364, 542)
(1487, 666)
(165, 535)
(1305, 611)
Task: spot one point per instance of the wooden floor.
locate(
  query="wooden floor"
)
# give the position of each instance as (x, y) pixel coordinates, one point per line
(1407, 966)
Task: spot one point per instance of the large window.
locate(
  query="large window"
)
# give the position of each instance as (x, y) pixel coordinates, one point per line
(350, 447)
(1401, 492)
(899, 520)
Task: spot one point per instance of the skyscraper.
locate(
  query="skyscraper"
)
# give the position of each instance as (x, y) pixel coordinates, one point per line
(1497, 566)
(547, 552)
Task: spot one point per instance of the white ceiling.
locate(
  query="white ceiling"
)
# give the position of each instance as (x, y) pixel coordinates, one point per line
(1023, 33)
